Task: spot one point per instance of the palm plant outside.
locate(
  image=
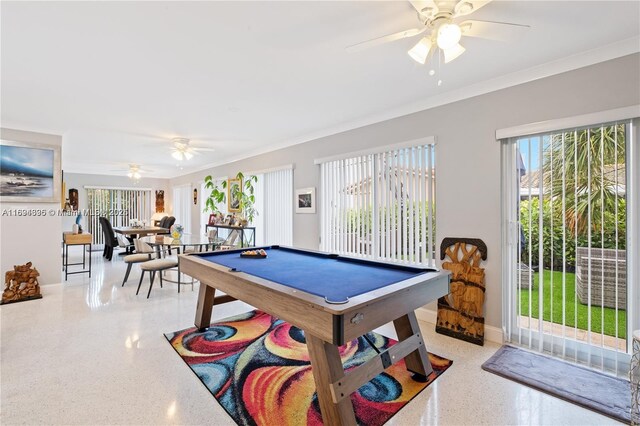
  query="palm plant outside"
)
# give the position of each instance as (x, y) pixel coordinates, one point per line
(581, 167)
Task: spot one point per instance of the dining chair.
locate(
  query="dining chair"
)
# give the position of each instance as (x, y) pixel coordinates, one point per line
(159, 264)
(125, 243)
(110, 240)
(141, 256)
(167, 222)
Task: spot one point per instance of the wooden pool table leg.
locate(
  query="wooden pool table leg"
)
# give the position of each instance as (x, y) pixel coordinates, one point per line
(327, 368)
(206, 295)
(418, 360)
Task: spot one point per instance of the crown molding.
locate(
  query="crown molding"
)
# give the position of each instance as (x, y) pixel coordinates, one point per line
(579, 60)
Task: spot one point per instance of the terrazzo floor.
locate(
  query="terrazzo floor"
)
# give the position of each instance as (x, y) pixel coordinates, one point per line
(93, 353)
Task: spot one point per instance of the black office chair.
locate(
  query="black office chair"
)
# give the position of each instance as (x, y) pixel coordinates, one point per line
(110, 240)
(170, 221)
(167, 222)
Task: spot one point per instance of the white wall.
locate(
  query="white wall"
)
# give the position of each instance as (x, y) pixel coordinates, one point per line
(467, 154)
(32, 239)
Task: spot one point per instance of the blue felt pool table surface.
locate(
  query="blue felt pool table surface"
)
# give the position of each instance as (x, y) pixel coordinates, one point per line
(334, 278)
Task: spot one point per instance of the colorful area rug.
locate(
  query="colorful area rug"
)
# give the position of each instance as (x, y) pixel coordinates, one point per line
(605, 394)
(258, 369)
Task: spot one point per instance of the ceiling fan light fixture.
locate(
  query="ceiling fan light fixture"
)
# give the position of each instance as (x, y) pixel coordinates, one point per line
(453, 52)
(464, 8)
(465, 27)
(177, 155)
(188, 155)
(448, 36)
(134, 172)
(420, 52)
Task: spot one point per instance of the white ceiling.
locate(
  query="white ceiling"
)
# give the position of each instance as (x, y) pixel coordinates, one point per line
(119, 79)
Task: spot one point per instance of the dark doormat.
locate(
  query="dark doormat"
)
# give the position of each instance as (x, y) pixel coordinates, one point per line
(605, 394)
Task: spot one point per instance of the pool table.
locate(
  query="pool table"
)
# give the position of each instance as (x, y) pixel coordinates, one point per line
(334, 299)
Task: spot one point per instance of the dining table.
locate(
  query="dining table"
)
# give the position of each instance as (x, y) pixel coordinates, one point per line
(131, 232)
(195, 241)
(139, 230)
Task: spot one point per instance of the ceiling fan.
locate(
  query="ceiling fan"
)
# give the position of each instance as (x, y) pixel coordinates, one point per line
(182, 150)
(440, 20)
(134, 171)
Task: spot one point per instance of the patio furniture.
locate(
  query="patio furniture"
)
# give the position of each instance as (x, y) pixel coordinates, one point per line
(634, 378)
(607, 269)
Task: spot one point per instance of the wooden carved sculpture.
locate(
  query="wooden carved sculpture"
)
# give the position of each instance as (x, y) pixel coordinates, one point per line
(461, 312)
(160, 201)
(21, 284)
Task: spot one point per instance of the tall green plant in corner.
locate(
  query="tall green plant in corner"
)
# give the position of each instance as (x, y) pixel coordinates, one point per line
(245, 193)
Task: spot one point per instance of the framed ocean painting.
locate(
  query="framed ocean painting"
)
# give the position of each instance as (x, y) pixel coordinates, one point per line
(29, 172)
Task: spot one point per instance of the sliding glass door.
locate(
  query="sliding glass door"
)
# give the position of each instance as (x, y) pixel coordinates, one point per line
(565, 201)
(119, 205)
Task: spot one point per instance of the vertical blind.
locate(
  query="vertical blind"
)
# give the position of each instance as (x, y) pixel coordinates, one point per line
(117, 205)
(182, 206)
(277, 211)
(566, 267)
(381, 205)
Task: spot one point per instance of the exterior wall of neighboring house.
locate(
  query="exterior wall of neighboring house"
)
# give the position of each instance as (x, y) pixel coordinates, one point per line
(467, 154)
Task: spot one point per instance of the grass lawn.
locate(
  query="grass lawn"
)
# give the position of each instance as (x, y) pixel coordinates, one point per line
(570, 298)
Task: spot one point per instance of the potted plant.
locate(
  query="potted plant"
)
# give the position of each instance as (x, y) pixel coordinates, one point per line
(244, 193)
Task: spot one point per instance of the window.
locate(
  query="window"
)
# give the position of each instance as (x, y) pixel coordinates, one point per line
(273, 202)
(117, 205)
(182, 200)
(380, 205)
(277, 208)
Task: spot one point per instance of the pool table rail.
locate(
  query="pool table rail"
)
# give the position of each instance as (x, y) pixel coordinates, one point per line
(334, 323)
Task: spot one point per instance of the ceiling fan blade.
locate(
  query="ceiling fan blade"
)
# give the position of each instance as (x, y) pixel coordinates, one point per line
(466, 7)
(385, 39)
(425, 8)
(197, 148)
(492, 30)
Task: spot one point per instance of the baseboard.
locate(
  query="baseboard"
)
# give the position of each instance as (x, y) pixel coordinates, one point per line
(492, 334)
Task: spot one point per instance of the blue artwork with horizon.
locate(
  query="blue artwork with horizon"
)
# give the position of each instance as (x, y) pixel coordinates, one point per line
(26, 172)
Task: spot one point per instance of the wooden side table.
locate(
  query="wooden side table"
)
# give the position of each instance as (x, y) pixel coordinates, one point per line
(71, 239)
(634, 378)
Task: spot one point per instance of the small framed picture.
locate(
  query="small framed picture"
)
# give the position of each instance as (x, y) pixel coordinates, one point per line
(306, 200)
(212, 219)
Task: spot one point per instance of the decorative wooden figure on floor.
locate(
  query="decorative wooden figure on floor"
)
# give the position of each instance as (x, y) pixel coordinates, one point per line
(461, 312)
(21, 284)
